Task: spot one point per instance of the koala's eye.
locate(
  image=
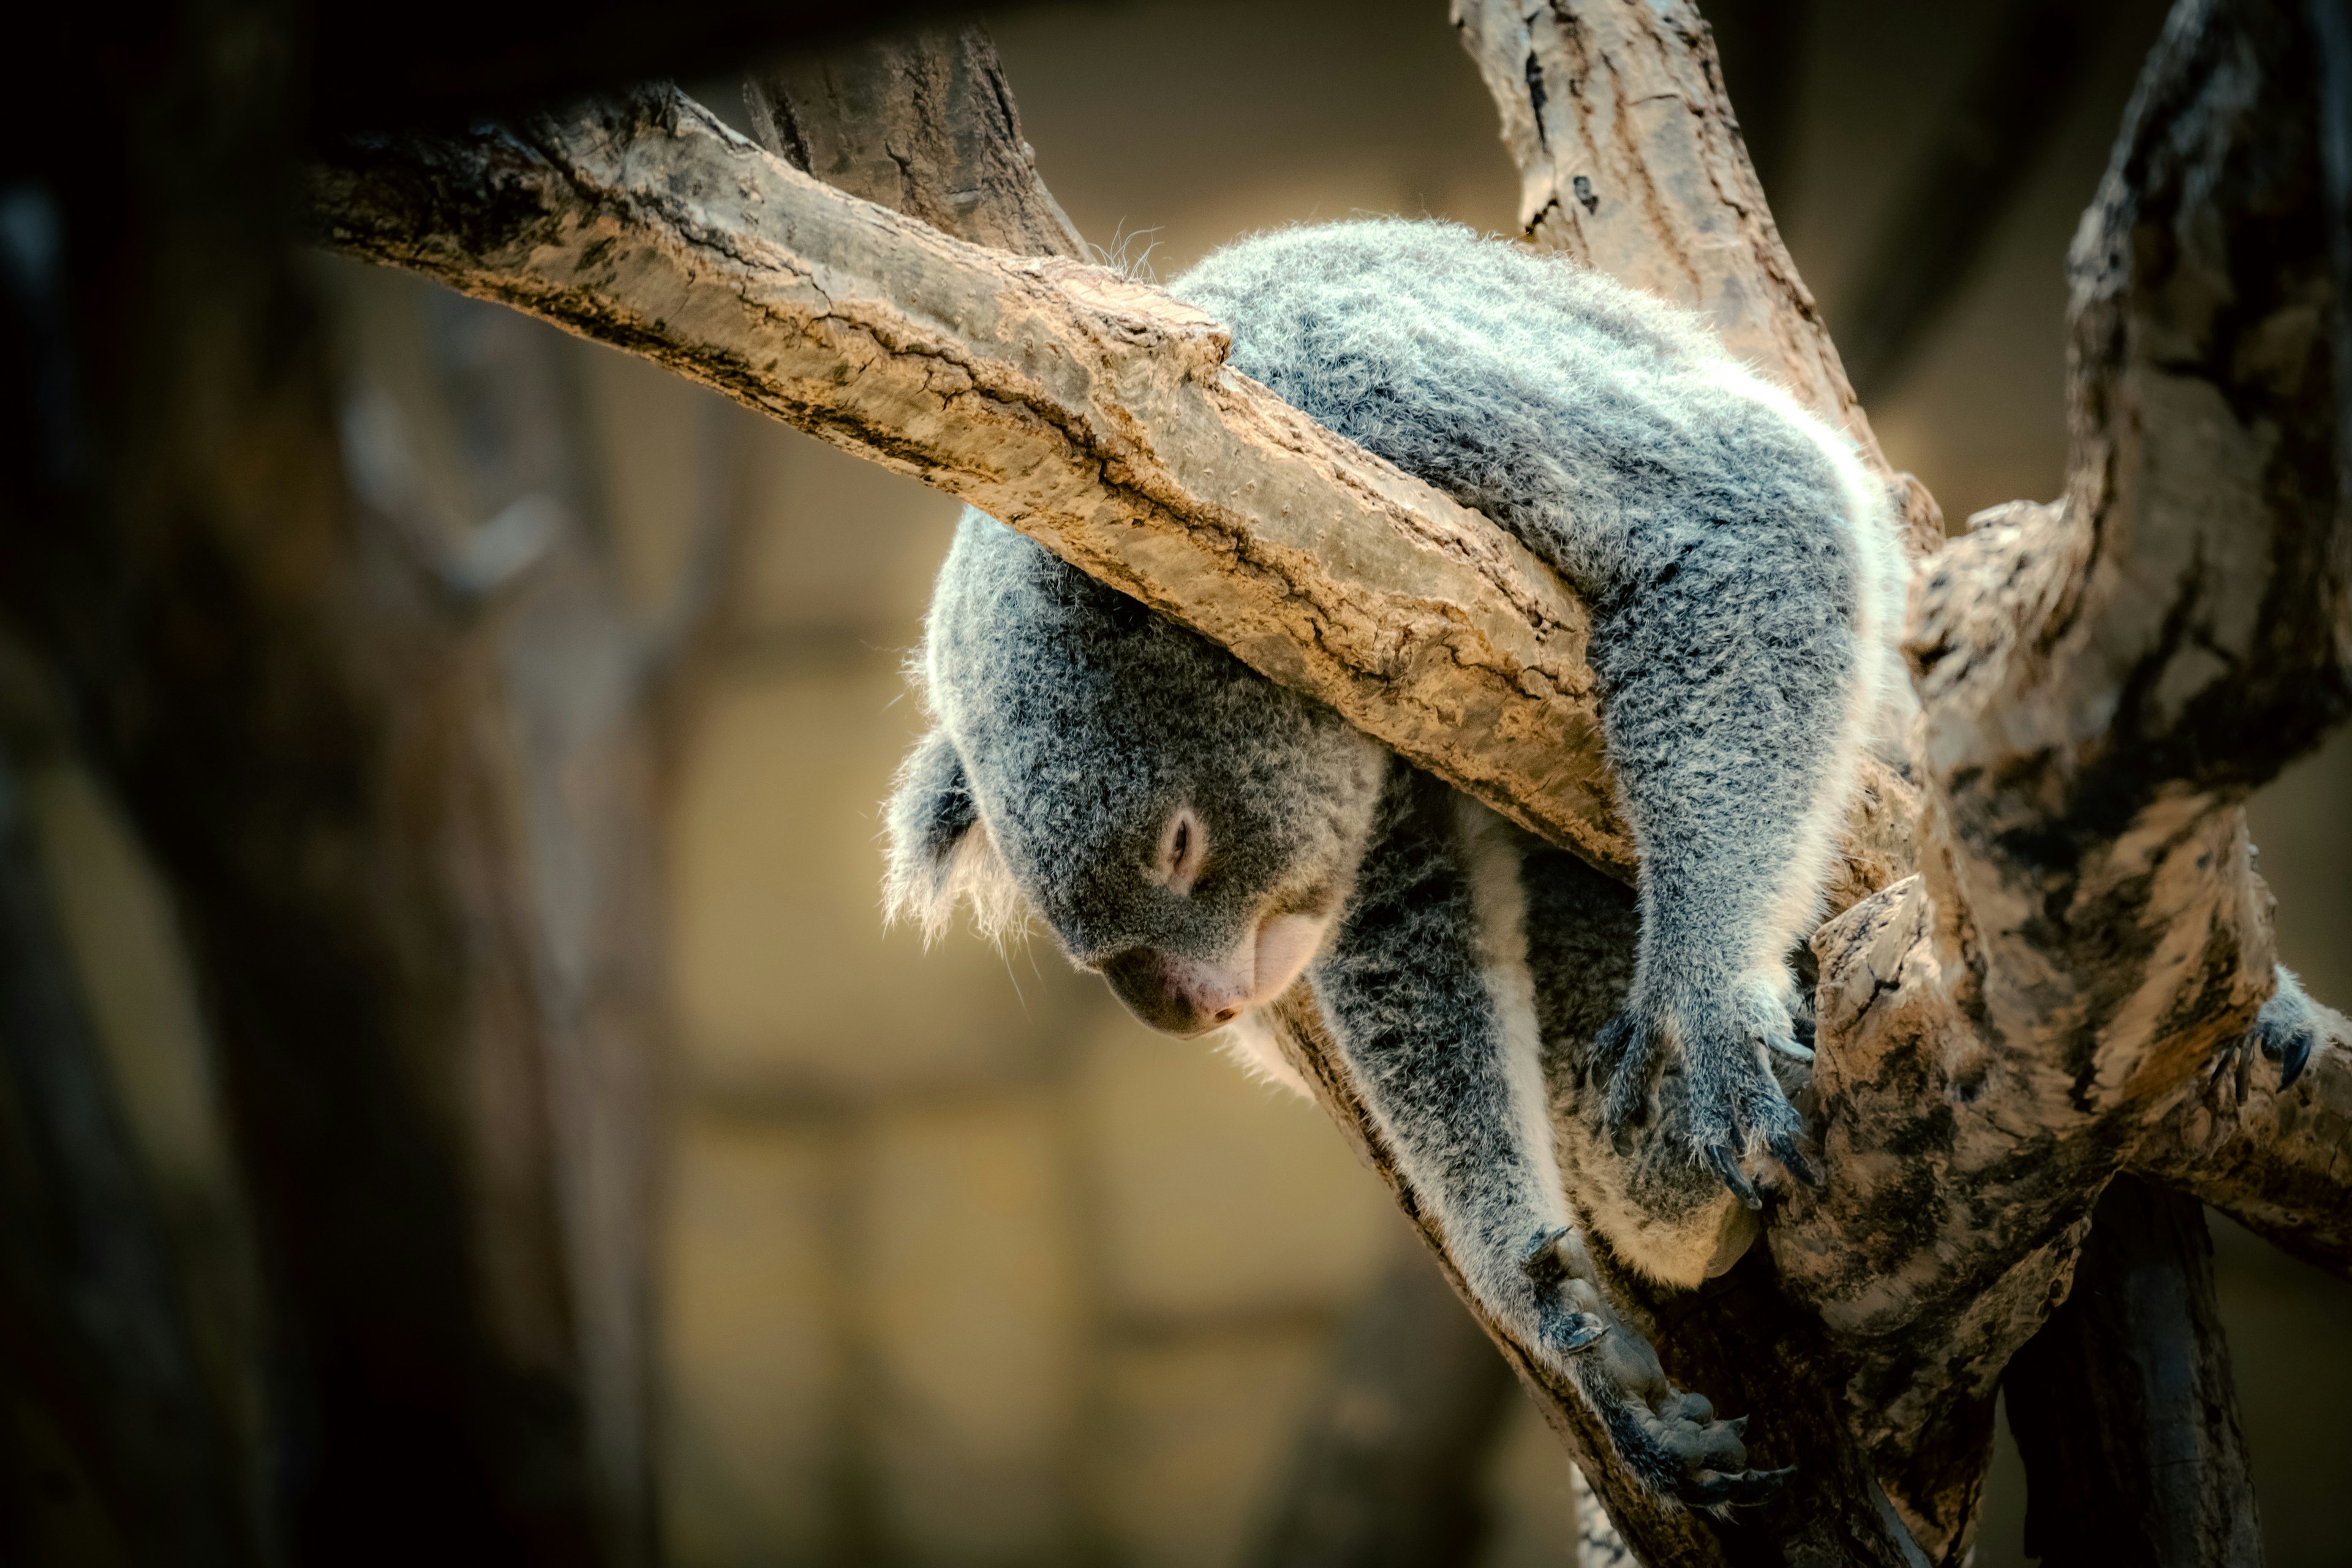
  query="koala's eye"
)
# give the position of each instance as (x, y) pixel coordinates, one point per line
(1183, 847)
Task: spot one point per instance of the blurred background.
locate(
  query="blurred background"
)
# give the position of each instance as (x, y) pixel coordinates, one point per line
(953, 1262)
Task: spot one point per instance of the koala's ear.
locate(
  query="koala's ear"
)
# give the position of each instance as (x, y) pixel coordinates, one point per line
(939, 850)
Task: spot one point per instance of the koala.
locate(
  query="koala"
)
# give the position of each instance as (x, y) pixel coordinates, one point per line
(1224, 851)
(1207, 840)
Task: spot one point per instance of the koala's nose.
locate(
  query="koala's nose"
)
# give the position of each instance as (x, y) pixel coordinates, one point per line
(1171, 995)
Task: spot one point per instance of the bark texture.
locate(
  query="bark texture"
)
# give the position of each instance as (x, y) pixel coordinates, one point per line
(2123, 1404)
(923, 125)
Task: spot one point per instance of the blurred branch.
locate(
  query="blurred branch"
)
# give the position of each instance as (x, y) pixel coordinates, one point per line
(114, 1443)
(2016, 95)
(1386, 1468)
(2123, 1407)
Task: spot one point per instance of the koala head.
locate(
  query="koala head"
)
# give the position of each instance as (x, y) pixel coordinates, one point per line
(1182, 825)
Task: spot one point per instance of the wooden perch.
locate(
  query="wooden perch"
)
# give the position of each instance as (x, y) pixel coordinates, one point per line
(2104, 681)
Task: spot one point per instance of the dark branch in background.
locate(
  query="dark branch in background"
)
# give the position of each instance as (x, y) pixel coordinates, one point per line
(2123, 1407)
(1763, 47)
(113, 1443)
(1386, 1470)
(2018, 91)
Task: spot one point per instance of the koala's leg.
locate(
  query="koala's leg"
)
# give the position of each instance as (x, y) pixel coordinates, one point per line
(1425, 989)
(1663, 1215)
(1736, 705)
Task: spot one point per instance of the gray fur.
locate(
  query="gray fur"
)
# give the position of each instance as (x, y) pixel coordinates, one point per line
(1746, 583)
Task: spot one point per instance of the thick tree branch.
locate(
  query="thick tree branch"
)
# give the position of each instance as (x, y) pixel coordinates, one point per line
(2102, 683)
(1091, 411)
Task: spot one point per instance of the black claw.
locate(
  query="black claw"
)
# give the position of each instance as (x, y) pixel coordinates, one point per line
(2298, 1052)
(2222, 1063)
(1728, 1169)
(1714, 1489)
(1584, 1330)
(1784, 1149)
(1803, 1029)
(1543, 1262)
(1760, 1486)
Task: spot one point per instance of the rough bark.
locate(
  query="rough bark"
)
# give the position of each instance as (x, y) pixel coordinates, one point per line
(2102, 683)
(2123, 1404)
(2277, 1161)
(1085, 409)
(923, 125)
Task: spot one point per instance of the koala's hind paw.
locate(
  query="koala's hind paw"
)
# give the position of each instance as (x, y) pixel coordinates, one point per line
(2285, 1032)
(2287, 1028)
(1668, 1438)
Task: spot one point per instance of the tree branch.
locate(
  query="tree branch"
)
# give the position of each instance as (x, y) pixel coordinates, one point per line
(924, 125)
(2278, 1163)
(2102, 683)
(2124, 1405)
(1089, 411)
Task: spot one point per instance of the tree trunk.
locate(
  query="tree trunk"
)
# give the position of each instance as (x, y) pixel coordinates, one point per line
(2123, 1407)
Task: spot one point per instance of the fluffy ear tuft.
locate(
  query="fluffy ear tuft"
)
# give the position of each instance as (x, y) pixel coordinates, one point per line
(939, 851)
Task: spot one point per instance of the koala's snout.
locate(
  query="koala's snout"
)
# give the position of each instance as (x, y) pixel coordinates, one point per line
(1176, 995)
(1184, 997)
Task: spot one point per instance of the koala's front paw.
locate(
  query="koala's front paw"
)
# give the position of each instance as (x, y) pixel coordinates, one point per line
(2285, 1032)
(1736, 1106)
